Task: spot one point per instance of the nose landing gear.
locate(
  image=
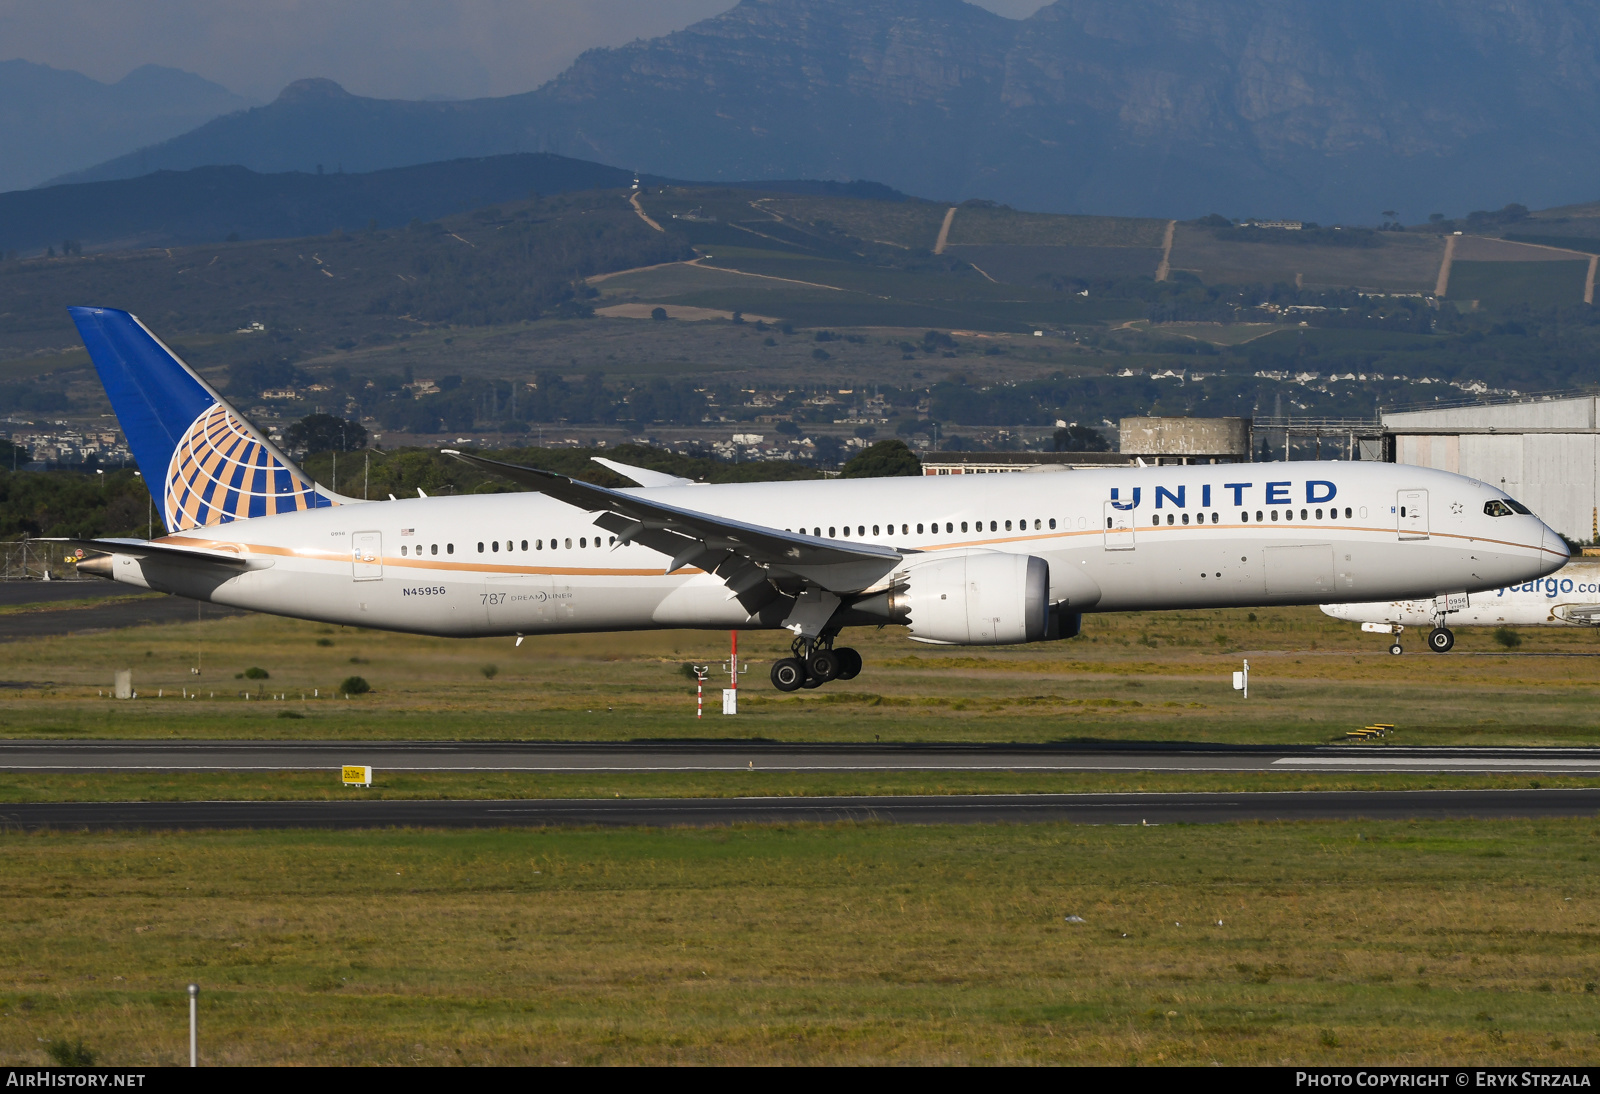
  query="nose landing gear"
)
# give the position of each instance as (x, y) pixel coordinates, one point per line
(814, 662)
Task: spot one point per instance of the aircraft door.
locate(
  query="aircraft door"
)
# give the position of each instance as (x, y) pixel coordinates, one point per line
(1119, 526)
(366, 556)
(1411, 514)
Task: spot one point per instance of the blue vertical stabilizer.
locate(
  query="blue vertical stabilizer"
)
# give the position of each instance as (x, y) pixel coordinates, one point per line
(202, 462)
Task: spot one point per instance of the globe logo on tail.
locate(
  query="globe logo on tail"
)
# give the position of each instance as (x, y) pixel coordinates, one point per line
(222, 470)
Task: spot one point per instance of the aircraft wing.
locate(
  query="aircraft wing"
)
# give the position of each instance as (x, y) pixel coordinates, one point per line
(744, 556)
(140, 548)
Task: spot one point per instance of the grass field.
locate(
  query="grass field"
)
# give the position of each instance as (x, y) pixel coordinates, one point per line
(1314, 943)
(507, 785)
(1136, 676)
(1497, 284)
(1402, 263)
(1317, 943)
(981, 227)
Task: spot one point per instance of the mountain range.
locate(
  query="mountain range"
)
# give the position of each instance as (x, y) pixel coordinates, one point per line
(212, 204)
(53, 121)
(1340, 110)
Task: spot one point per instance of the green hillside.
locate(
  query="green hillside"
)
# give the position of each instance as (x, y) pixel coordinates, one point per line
(816, 316)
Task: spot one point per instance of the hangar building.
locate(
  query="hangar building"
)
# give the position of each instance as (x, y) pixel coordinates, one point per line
(1545, 453)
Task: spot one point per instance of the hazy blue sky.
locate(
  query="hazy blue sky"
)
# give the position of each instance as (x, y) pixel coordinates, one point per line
(387, 48)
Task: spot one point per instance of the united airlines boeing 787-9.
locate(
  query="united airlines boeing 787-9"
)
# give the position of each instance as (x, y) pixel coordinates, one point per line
(969, 560)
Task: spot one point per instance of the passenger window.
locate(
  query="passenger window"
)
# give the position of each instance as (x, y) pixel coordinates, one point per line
(1274, 514)
(1258, 516)
(583, 541)
(449, 548)
(1215, 517)
(434, 549)
(919, 529)
(861, 529)
(402, 550)
(817, 532)
(1302, 514)
(496, 546)
(949, 526)
(832, 532)
(874, 529)
(1170, 520)
(994, 526)
(1319, 514)
(1156, 520)
(569, 543)
(1186, 518)
(1347, 514)
(538, 545)
(1497, 508)
(1052, 524)
(480, 546)
(905, 529)
(524, 545)
(1036, 524)
(1008, 526)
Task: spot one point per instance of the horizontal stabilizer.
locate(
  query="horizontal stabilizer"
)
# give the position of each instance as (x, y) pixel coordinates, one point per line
(140, 548)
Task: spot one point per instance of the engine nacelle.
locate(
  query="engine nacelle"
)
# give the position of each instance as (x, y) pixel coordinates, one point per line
(982, 598)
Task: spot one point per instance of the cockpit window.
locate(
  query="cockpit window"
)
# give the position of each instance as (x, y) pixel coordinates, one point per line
(1519, 507)
(1497, 508)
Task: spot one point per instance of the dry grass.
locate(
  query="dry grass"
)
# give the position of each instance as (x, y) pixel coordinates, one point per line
(1140, 676)
(1338, 942)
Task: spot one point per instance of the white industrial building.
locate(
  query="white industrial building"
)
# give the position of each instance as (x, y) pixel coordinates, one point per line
(1545, 453)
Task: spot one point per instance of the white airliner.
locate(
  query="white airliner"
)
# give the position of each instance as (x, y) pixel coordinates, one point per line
(1568, 599)
(970, 560)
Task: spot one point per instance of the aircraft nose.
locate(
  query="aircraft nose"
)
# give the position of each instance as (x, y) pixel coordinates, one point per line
(1556, 551)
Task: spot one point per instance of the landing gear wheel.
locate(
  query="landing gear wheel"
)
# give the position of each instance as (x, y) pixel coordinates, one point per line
(1396, 649)
(849, 662)
(1440, 639)
(789, 674)
(824, 666)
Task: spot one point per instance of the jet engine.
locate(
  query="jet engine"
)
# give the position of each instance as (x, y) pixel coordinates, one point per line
(980, 598)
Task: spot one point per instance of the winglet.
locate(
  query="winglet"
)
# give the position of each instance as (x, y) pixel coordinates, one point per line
(642, 476)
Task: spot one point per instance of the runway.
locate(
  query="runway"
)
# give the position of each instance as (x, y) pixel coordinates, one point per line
(702, 756)
(1120, 809)
(53, 608)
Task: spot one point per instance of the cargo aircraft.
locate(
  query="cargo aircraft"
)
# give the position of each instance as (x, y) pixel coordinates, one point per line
(968, 560)
(1569, 599)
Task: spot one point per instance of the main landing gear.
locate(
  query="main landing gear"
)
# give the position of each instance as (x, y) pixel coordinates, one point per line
(815, 662)
(1440, 639)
